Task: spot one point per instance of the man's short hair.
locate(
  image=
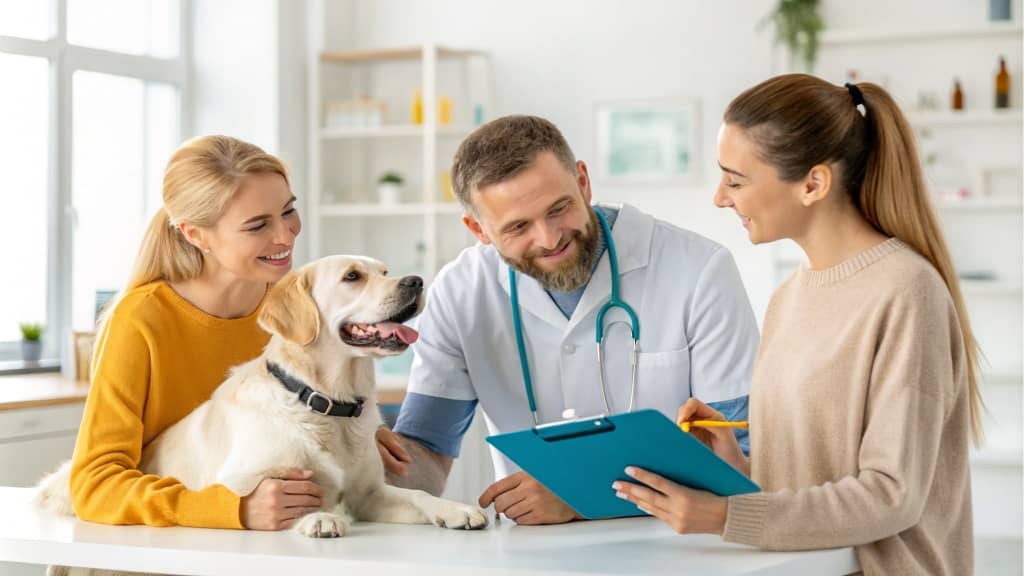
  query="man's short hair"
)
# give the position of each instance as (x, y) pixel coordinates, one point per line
(503, 148)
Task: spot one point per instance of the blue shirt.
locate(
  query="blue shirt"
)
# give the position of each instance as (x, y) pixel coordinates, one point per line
(567, 301)
(439, 423)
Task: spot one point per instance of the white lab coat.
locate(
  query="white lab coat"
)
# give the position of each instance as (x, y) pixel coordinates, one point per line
(698, 335)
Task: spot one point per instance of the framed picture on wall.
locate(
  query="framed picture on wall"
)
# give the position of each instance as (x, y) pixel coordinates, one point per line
(652, 141)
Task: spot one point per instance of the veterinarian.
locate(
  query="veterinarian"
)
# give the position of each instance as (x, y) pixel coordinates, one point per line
(528, 200)
(224, 234)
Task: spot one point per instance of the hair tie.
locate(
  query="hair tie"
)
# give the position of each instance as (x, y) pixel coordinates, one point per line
(858, 98)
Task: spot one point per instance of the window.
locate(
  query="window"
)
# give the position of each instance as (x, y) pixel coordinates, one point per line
(25, 19)
(93, 99)
(121, 139)
(25, 187)
(148, 27)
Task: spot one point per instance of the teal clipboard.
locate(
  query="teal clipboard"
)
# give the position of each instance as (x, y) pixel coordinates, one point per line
(579, 459)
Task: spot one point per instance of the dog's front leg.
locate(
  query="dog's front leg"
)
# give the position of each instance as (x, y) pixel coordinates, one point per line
(335, 520)
(404, 506)
(332, 524)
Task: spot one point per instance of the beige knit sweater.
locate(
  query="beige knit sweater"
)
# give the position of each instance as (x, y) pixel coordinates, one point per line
(860, 419)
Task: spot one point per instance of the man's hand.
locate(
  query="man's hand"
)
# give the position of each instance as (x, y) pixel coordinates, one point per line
(396, 459)
(277, 503)
(526, 501)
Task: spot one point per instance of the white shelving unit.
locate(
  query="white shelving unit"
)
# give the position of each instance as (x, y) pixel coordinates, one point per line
(405, 209)
(397, 130)
(991, 289)
(906, 35)
(983, 230)
(981, 205)
(966, 118)
(422, 230)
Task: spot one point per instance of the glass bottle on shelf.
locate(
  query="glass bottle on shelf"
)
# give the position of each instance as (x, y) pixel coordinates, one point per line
(444, 110)
(958, 95)
(1002, 85)
(417, 108)
(447, 193)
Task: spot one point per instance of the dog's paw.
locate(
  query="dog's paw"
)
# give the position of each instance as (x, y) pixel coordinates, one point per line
(459, 516)
(322, 525)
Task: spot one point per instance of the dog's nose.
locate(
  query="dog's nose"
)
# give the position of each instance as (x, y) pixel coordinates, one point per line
(411, 282)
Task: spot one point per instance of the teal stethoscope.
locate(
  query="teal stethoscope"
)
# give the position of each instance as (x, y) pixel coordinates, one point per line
(613, 302)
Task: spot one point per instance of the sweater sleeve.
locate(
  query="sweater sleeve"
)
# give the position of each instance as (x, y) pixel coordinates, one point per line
(106, 484)
(911, 390)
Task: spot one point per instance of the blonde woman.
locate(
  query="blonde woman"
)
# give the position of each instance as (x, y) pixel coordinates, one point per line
(865, 391)
(224, 234)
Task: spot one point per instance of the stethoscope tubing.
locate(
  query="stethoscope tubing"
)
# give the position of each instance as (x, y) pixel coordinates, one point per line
(614, 302)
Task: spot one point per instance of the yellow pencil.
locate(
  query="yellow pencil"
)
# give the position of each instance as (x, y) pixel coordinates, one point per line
(685, 426)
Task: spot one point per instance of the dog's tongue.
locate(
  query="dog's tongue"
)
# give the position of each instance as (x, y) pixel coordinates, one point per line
(403, 332)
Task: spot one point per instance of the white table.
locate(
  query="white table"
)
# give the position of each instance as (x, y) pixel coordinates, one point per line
(624, 546)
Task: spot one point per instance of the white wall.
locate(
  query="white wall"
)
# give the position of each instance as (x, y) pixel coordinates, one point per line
(235, 73)
(291, 102)
(249, 79)
(559, 59)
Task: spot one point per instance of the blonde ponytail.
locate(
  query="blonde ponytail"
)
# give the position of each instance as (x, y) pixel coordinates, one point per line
(164, 255)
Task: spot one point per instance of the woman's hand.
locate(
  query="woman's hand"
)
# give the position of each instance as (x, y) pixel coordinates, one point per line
(276, 503)
(686, 511)
(722, 441)
(396, 459)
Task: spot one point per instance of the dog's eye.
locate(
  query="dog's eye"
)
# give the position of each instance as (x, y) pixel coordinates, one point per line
(351, 276)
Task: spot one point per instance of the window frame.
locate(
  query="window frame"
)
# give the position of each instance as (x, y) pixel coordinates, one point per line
(64, 60)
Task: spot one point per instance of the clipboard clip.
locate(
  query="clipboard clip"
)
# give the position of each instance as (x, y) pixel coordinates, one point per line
(555, 431)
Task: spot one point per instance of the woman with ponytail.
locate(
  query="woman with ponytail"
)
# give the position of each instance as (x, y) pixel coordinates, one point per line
(865, 394)
(188, 314)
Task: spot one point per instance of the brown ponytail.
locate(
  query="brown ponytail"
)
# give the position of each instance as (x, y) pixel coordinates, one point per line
(799, 121)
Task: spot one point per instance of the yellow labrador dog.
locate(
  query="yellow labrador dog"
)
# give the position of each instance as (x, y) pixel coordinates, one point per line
(308, 401)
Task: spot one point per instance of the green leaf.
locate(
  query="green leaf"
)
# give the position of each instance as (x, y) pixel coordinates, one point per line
(31, 330)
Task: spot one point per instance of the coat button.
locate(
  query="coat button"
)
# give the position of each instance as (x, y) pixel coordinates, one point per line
(569, 348)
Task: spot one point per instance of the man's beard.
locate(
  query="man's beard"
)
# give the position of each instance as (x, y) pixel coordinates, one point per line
(572, 274)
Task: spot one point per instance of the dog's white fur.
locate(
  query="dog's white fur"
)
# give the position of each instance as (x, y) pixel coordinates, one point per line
(253, 428)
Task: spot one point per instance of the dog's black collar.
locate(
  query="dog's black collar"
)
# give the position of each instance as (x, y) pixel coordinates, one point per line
(315, 401)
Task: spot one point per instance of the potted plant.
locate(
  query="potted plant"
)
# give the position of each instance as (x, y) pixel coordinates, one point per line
(389, 187)
(797, 25)
(31, 344)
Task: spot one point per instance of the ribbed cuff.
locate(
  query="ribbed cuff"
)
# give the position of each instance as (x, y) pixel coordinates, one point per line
(213, 507)
(744, 521)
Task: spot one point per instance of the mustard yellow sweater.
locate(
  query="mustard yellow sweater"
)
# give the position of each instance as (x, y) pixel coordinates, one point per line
(157, 358)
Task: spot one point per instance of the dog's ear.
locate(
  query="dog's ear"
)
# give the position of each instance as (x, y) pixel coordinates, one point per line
(290, 310)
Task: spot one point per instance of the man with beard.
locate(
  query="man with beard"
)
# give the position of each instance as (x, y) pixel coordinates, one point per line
(528, 200)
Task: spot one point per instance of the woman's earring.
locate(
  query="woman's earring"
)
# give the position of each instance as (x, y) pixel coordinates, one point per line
(206, 251)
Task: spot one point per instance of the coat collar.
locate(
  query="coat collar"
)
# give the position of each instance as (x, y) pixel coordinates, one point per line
(632, 234)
